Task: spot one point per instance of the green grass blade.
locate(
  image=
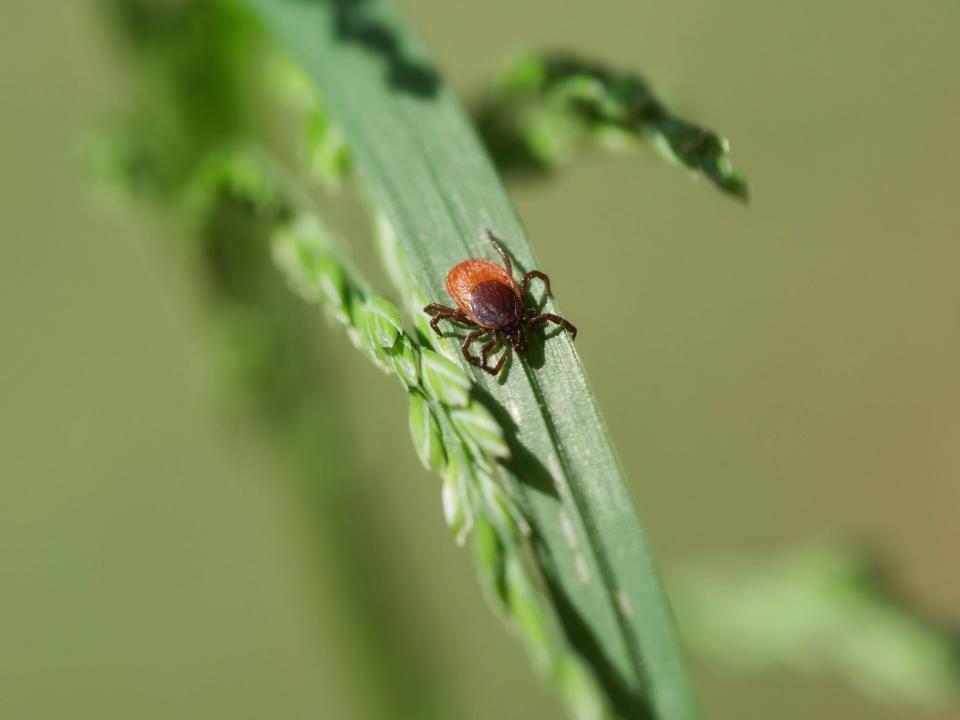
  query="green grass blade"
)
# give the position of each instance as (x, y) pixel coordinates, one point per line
(430, 178)
(821, 606)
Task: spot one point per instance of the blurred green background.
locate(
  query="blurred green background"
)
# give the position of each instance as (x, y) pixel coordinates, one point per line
(777, 372)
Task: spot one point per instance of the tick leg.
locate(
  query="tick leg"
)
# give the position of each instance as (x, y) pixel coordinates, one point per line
(435, 308)
(442, 312)
(456, 317)
(550, 317)
(500, 251)
(530, 276)
(467, 342)
(485, 350)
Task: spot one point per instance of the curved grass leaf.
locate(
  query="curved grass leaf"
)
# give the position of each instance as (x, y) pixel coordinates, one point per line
(546, 106)
(438, 191)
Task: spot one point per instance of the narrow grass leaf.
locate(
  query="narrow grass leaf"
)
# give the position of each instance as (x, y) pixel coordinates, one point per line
(426, 172)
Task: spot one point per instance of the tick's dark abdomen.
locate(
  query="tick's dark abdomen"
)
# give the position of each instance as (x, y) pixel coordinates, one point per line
(494, 304)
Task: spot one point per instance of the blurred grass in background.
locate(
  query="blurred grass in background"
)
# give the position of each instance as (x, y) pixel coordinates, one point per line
(777, 372)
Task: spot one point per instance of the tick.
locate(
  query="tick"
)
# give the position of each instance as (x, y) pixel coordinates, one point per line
(491, 304)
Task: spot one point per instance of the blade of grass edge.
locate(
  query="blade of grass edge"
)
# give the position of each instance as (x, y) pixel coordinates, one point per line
(430, 178)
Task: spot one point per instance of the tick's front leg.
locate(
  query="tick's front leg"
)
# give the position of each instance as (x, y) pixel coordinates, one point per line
(501, 251)
(442, 312)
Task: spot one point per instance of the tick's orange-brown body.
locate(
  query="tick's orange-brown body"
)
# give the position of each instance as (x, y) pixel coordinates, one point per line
(485, 292)
(490, 300)
(470, 273)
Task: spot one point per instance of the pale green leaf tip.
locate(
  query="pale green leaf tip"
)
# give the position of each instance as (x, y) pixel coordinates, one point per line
(443, 380)
(383, 322)
(456, 508)
(425, 432)
(579, 687)
(406, 360)
(481, 428)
